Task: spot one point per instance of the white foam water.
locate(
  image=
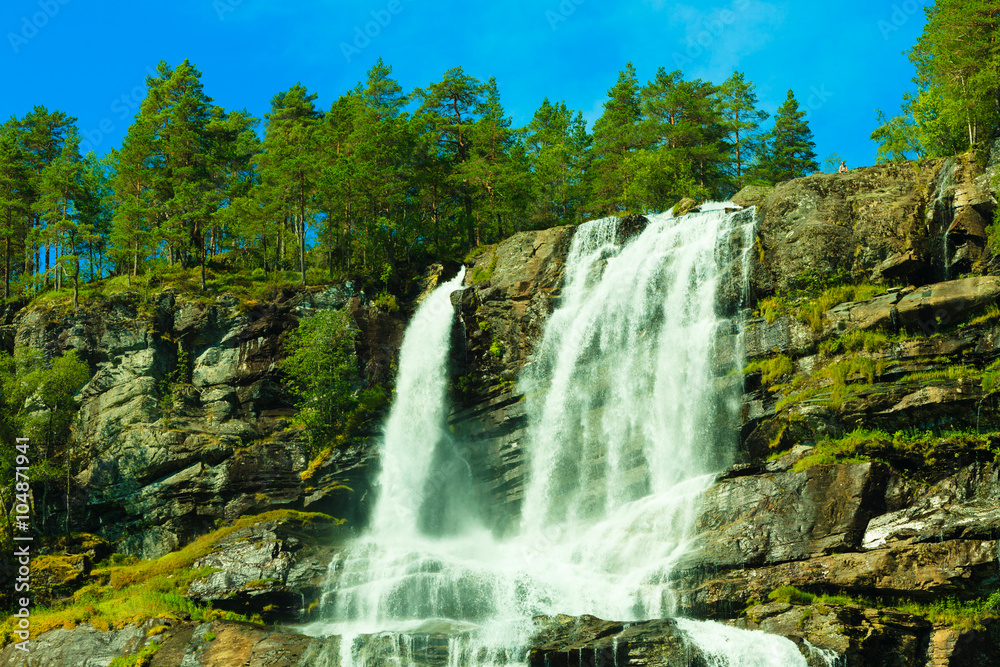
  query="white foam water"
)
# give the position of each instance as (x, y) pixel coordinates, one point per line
(631, 400)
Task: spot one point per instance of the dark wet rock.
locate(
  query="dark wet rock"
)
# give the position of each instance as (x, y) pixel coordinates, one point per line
(276, 569)
(768, 518)
(856, 636)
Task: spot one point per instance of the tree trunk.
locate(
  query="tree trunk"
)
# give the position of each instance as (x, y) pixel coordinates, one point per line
(302, 236)
(76, 294)
(263, 241)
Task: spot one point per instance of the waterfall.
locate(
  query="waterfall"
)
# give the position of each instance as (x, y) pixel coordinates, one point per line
(416, 421)
(942, 210)
(632, 400)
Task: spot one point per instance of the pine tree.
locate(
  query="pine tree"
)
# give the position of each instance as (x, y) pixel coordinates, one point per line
(14, 196)
(135, 198)
(682, 153)
(791, 149)
(382, 145)
(95, 211)
(956, 104)
(557, 145)
(741, 119)
(42, 135)
(338, 195)
(492, 170)
(287, 164)
(235, 146)
(448, 112)
(60, 190)
(615, 137)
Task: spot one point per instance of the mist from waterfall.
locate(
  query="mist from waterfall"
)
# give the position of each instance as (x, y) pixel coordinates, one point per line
(632, 399)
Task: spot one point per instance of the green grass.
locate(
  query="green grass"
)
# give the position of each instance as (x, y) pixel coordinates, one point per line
(124, 591)
(812, 311)
(990, 314)
(141, 659)
(959, 614)
(809, 305)
(484, 273)
(791, 595)
(948, 373)
(859, 340)
(913, 452)
(772, 308)
(771, 369)
(249, 287)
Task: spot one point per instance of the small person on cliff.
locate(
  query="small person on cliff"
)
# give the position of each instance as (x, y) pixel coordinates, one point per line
(843, 167)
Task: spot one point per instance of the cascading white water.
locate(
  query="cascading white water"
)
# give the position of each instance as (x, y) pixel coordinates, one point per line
(630, 396)
(942, 210)
(416, 422)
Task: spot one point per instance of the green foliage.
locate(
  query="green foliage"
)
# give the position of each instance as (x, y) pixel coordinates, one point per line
(125, 591)
(615, 138)
(771, 368)
(484, 273)
(917, 453)
(143, 658)
(209, 636)
(171, 386)
(496, 348)
(772, 308)
(954, 106)
(37, 402)
(792, 149)
(386, 302)
(859, 340)
(959, 614)
(811, 294)
(742, 123)
(382, 183)
(791, 595)
(38, 394)
(952, 372)
(988, 315)
(321, 368)
(812, 311)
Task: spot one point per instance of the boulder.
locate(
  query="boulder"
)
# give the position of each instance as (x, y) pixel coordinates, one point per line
(926, 310)
(956, 568)
(865, 222)
(274, 568)
(752, 520)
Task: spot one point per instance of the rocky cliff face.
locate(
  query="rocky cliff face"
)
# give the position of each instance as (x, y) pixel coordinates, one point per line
(185, 421)
(836, 492)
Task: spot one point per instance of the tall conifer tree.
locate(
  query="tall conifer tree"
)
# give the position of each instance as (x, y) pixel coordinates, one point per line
(791, 149)
(615, 137)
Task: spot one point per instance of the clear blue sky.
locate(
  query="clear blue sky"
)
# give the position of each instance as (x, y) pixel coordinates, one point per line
(89, 58)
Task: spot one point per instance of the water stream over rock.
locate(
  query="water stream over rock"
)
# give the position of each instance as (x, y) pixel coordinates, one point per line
(632, 398)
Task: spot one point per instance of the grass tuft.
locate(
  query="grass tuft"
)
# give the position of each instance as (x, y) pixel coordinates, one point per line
(126, 592)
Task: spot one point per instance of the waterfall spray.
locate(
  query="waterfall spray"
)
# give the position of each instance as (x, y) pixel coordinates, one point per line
(633, 394)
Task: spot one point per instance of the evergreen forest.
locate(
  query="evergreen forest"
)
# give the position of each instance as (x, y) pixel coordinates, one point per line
(386, 181)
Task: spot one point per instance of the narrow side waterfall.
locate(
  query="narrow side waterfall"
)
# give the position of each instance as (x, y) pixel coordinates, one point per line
(415, 425)
(942, 210)
(632, 397)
